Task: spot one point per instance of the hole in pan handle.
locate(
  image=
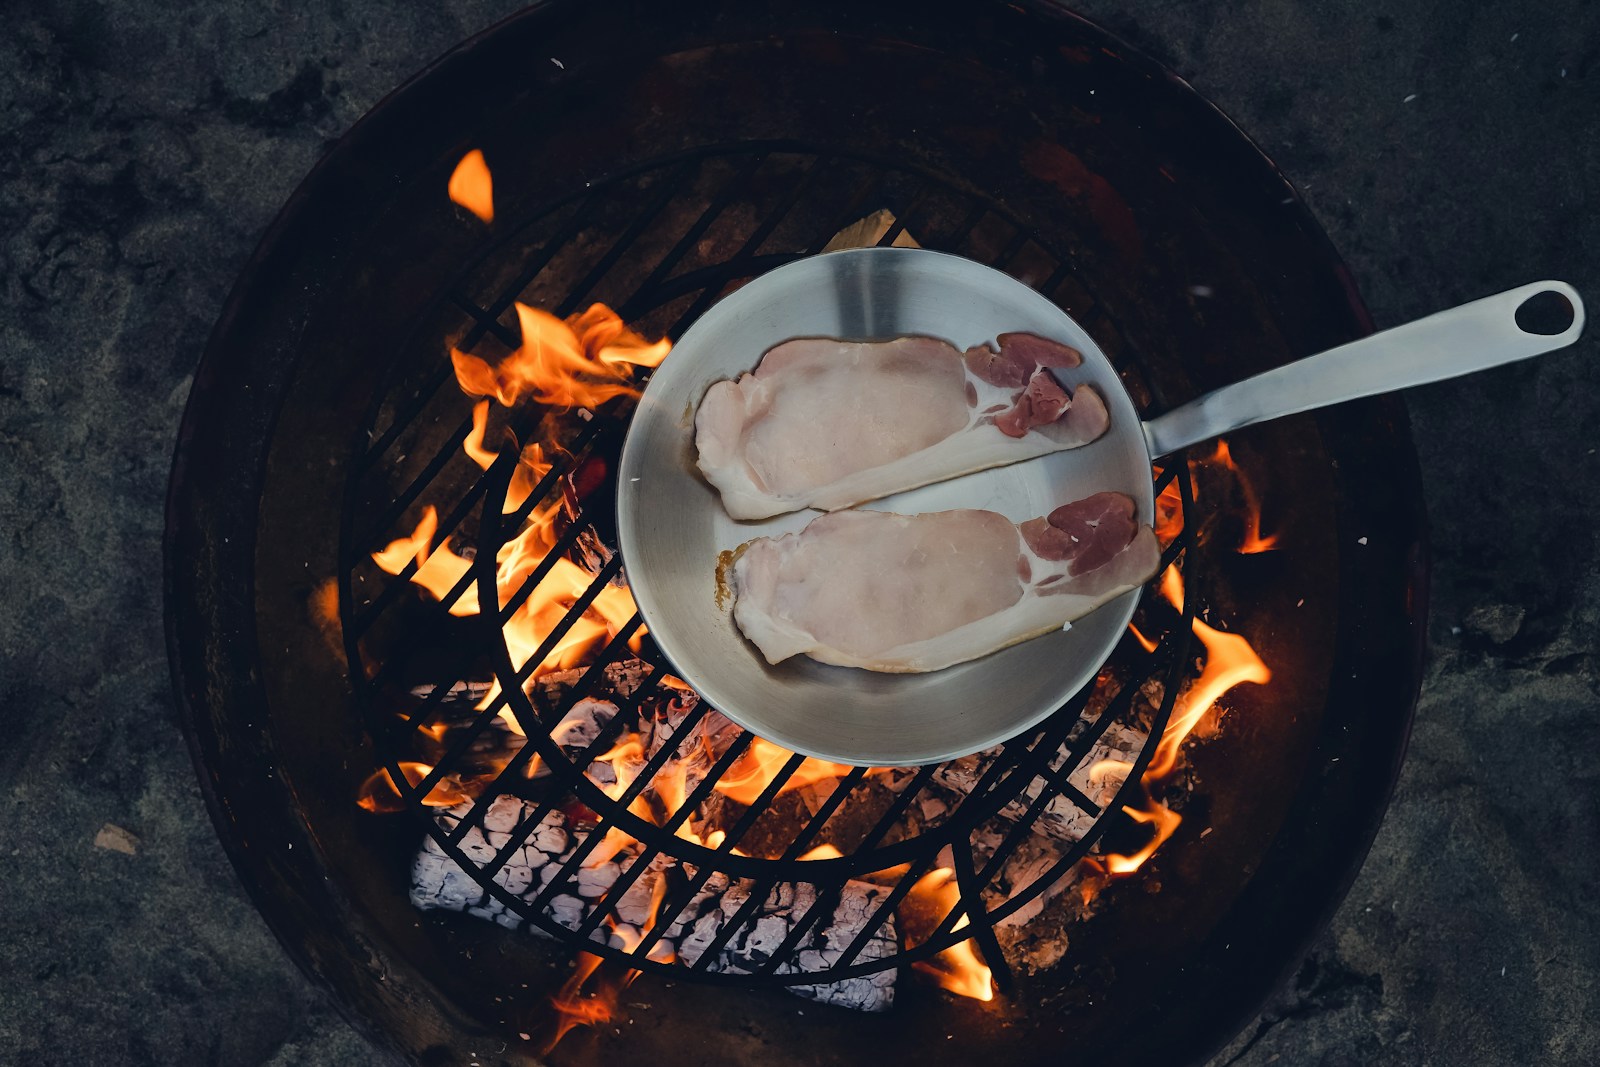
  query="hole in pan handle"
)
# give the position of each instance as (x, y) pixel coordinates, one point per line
(1473, 337)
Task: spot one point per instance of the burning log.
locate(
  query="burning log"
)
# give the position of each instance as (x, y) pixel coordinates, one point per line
(720, 899)
(707, 738)
(1098, 776)
(439, 883)
(619, 679)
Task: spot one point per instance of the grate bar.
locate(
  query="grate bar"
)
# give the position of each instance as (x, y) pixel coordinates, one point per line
(737, 184)
(564, 773)
(419, 400)
(828, 900)
(986, 781)
(513, 771)
(1045, 760)
(653, 209)
(739, 263)
(595, 836)
(970, 887)
(401, 582)
(763, 888)
(731, 839)
(409, 495)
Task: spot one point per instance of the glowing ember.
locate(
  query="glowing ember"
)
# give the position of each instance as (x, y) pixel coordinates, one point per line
(471, 186)
(925, 907)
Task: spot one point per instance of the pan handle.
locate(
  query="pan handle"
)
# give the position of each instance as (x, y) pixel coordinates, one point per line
(1464, 339)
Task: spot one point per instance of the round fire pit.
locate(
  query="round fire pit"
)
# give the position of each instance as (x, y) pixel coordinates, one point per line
(653, 170)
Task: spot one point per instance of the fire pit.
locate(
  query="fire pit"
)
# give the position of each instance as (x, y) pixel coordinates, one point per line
(553, 777)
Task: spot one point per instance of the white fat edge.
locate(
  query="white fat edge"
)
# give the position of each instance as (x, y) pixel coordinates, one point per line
(731, 475)
(776, 638)
(978, 447)
(981, 445)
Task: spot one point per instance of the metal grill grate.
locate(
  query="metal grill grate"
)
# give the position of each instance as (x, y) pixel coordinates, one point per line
(661, 243)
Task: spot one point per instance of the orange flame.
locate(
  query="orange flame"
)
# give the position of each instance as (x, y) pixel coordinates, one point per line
(1169, 513)
(582, 362)
(1230, 661)
(531, 465)
(823, 851)
(606, 338)
(438, 569)
(1144, 642)
(671, 787)
(616, 840)
(471, 186)
(1166, 821)
(544, 609)
(586, 360)
(551, 600)
(760, 764)
(958, 968)
(1253, 541)
(573, 1009)
(473, 446)
(1171, 586)
(378, 792)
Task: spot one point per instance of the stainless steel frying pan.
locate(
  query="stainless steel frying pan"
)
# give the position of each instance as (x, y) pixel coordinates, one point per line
(672, 525)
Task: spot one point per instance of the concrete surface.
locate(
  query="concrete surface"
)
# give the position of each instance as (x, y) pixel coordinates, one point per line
(1450, 150)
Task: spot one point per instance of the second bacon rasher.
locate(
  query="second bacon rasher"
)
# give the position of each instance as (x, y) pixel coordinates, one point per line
(830, 424)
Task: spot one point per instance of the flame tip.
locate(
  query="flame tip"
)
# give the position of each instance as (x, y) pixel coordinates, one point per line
(471, 186)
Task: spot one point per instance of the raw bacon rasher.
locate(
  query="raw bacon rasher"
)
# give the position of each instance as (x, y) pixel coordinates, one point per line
(826, 424)
(914, 593)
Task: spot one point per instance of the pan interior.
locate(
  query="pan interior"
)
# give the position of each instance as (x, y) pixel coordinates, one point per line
(672, 526)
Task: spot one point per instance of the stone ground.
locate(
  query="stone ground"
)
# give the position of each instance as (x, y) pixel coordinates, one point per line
(1449, 149)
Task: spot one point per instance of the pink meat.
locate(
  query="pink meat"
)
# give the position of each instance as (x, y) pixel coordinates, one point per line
(1085, 534)
(1004, 368)
(1039, 351)
(1040, 404)
(912, 593)
(1018, 359)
